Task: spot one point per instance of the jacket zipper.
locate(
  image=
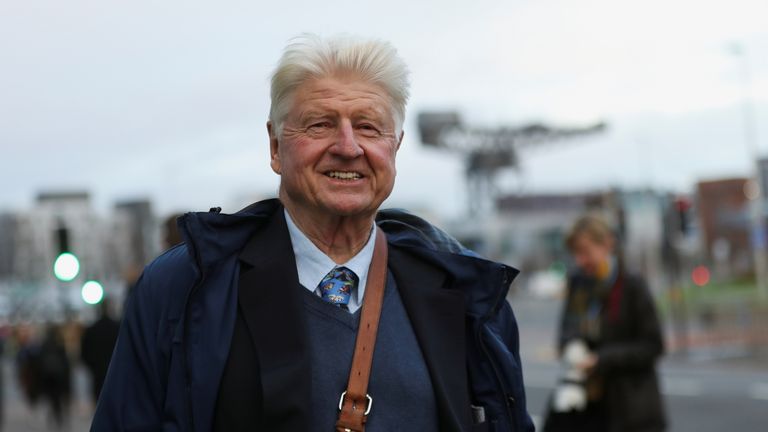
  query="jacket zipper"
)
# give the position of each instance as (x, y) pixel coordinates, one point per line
(185, 340)
(505, 401)
(184, 349)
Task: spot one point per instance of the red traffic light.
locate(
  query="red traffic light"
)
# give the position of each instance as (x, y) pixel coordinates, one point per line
(700, 275)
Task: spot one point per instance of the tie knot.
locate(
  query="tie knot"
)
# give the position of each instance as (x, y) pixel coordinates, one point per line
(337, 286)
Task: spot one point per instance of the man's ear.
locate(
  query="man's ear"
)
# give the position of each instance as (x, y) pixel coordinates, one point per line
(400, 139)
(274, 154)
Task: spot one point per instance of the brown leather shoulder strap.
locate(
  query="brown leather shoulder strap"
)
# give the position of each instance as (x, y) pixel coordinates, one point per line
(355, 403)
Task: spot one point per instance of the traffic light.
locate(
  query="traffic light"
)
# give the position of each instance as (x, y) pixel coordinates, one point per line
(92, 292)
(62, 239)
(66, 266)
(683, 206)
(700, 276)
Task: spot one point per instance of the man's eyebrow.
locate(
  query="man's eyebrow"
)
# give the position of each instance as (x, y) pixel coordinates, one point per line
(371, 113)
(314, 113)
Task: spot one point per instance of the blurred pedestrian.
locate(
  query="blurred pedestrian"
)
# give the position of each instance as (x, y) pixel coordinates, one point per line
(96, 347)
(26, 364)
(5, 337)
(609, 342)
(261, 319)
(55, 376)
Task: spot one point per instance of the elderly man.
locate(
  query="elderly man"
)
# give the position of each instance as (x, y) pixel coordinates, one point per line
(317, 311)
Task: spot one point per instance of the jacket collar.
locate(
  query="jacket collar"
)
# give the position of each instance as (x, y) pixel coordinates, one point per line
(213, 236)
(269, 291)
(484, 283)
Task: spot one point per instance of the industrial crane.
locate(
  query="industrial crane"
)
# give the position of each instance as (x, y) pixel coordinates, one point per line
(487, 151)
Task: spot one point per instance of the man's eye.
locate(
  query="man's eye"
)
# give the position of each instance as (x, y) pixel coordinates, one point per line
(320, 125)
(369, 128)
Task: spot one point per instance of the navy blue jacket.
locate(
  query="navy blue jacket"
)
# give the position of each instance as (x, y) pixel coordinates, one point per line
(178, 324)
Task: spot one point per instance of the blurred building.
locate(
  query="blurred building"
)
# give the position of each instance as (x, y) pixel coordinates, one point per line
(7, 240)
(105, 245)
(723, 209)
(541, 221)
(135, 237)
(762, 167)
(528, 231)
(37, 247)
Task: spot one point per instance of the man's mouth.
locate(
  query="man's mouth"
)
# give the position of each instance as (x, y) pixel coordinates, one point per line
(344, 175)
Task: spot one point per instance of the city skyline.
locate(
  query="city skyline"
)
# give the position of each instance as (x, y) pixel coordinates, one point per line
(170, 102)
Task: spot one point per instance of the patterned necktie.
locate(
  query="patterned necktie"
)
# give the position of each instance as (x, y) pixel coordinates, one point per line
(336, 287)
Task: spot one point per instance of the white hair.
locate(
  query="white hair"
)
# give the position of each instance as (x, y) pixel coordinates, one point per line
(310, 56)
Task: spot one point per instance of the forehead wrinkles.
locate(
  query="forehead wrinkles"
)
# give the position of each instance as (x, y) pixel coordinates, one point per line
(313, 99)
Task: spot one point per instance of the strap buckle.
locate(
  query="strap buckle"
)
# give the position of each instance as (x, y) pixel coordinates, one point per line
(367, 408)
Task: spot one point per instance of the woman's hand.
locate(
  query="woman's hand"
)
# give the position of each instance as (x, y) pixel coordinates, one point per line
(588, 363)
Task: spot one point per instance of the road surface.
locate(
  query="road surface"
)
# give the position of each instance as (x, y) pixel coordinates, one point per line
(700, 396)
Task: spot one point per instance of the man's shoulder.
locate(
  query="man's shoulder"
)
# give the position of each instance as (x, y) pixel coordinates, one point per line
(421, 244)
(167, 278)
(407, 229)
(175, 262)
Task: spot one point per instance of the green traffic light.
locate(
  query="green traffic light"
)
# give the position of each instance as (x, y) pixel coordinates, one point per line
(92, 292)
(66, 267)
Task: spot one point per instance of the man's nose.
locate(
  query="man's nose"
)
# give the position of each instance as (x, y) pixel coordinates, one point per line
(346, 144)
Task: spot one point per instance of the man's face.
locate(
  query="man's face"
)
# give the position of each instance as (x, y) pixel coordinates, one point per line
(336, 153)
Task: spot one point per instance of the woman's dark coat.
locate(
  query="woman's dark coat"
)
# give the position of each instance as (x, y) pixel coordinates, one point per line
(629, 345)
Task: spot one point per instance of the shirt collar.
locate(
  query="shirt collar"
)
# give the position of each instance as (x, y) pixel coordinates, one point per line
(313, 265)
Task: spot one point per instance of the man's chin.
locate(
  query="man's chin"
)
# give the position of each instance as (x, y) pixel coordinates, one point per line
(351, 212)
(351, 208)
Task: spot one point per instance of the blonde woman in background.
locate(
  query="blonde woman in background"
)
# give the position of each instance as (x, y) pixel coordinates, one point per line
(609, 342)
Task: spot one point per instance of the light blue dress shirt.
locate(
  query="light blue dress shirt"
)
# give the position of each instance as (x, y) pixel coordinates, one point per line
(312, 264)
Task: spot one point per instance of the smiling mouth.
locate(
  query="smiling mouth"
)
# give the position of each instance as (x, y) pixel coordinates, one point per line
(344, 175)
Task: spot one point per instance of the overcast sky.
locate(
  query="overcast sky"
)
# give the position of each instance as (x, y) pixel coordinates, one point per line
(169, 99)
